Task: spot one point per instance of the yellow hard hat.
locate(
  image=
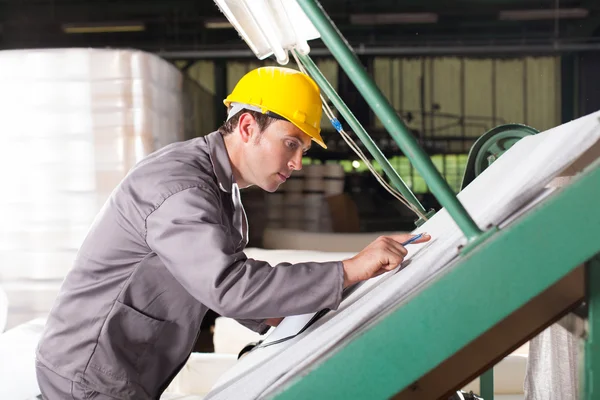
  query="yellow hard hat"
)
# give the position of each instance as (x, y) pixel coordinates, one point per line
(285, 92)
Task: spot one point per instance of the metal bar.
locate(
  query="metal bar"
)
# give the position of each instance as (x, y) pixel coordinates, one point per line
(483, 289)
(388, 116)
(220, 76)
(421, 50)
(486, 384)
(359, 130)
(592, 349)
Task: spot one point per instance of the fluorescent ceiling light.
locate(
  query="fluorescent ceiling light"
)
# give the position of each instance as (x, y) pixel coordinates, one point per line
(532, 15)
(270, 27)
(393, 18)
(104, 27)
(217, 24)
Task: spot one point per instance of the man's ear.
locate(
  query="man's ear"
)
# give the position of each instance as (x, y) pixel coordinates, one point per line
(247, 126)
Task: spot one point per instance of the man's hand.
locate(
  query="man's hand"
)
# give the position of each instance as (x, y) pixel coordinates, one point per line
(382, 255)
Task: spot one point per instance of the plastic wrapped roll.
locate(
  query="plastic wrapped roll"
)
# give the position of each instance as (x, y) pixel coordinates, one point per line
(74, 122)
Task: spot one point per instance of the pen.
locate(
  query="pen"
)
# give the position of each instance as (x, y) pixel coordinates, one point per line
(412, 239)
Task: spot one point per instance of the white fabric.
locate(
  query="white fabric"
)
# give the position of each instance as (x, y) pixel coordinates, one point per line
(3, 309)
(74, 121)
(17, 361)
(552, 369)
(501, 190)
(200, 373)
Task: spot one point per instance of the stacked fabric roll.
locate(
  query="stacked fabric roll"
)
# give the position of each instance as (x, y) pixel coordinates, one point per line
(74, 121)
(293, 201)
(301, 202)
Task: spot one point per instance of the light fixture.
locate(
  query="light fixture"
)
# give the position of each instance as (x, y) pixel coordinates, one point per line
(393, 18)
(270, 27)
(103, 27)
(217, 24)
(533, 15)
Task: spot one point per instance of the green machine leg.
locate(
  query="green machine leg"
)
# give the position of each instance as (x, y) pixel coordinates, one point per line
(486, 384)
(591, 376)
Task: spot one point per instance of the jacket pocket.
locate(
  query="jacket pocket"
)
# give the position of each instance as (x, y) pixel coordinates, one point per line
(127, 335)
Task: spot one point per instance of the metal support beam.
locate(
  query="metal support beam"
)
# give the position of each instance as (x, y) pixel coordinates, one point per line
(359, 130)
(568, 90)
(389, 118)
(220, 75)
(439, 49)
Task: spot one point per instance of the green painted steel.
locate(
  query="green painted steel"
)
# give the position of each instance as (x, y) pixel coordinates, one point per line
(491, 282)
(591, 380)
(490, 146)
(360, 131)
(389, 118)
(486, 382)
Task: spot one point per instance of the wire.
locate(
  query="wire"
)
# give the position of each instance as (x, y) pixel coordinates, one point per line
(338, 127)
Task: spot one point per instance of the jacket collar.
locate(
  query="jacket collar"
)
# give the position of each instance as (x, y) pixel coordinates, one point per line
(220, 161)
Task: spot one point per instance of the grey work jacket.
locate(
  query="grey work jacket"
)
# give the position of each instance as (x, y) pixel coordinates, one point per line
(167, 246)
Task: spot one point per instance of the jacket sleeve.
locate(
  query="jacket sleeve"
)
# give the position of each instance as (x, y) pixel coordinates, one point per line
(187, 234)
(257, 325)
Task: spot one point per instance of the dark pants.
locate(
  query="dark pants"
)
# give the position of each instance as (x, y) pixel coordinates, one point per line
(55, 387)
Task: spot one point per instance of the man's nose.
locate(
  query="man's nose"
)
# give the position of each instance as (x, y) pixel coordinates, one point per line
(296, 162)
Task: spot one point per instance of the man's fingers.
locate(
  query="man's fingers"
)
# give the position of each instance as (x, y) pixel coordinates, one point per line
(390, 261)
(396, 247)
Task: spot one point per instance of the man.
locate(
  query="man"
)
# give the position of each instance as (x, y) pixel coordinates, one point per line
(168, 245)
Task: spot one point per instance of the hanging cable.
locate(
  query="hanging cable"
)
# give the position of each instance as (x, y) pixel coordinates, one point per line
(338, 127)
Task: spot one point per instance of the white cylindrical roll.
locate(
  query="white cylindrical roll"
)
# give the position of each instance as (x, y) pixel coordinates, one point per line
(333, 179)
(274, 213)
(293, 199)
(314, 185)
(74, 122)
(314, 171)
(274, 199)
(313, 206)
(293, 185)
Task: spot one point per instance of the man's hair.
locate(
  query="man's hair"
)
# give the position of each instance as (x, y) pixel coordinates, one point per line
(263, 121)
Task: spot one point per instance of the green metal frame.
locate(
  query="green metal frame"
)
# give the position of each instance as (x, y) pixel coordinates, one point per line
(490, 146)
(391, 121)
(389, 356)
(499, 269)
(362, 134)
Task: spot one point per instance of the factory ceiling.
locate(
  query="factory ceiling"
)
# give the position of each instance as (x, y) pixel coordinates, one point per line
(197, 26)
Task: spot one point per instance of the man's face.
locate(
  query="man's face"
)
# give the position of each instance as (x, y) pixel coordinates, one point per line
(272, 156)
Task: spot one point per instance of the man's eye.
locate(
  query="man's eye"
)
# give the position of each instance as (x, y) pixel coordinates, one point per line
(292, 145)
